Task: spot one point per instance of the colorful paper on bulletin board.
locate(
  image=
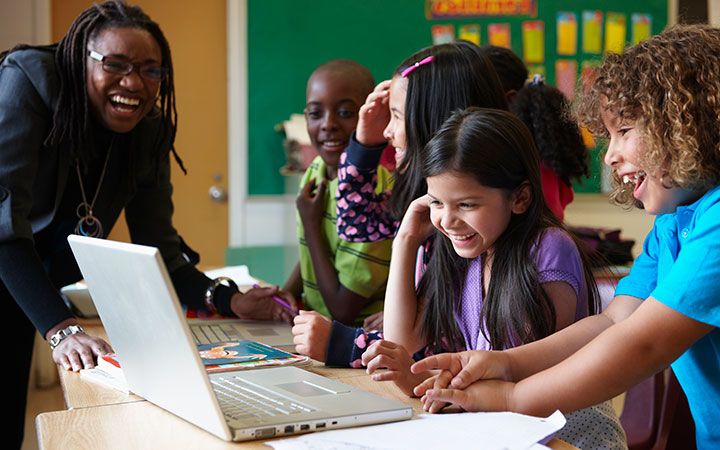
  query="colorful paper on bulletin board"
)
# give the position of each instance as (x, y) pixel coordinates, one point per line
(592, 31)
(536, 69)
(470, 32)
(566, 33)
(456, 9)
(641, 26)
(587, 137)
(499, 34)
(533, 39)
(566, 77)
(443, 34)
(615, 31)
(587, 72)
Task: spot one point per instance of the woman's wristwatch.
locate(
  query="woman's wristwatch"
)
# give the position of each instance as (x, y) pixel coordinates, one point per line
(58, 337)
(210, 292)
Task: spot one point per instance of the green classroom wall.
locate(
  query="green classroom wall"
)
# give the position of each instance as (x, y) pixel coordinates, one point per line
(288, 39)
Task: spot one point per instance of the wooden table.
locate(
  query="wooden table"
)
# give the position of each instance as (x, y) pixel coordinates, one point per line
(103, 418)
(141, 425)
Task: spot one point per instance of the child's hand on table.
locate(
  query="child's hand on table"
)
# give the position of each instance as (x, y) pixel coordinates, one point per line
(311, 334)
(466, 368)
(388, 355)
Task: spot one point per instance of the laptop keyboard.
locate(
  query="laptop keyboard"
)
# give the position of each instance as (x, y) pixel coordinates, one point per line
(242, 400)
(207, 334)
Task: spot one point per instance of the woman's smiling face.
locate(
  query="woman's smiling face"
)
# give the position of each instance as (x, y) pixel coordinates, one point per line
(119, 102)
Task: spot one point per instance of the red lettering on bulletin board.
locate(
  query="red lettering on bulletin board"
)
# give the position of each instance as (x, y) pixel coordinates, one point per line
(444, 9)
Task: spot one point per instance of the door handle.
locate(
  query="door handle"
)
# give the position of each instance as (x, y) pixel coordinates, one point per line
(217, 191)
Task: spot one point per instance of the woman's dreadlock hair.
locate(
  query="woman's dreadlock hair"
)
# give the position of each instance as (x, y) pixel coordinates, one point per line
(71, 120)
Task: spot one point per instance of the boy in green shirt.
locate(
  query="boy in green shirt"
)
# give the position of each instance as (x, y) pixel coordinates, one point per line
(341, 280)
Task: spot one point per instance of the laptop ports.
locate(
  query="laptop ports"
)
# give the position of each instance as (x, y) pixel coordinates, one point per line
(262, 433)
(304, 427)
(320, 425)
(289, 428)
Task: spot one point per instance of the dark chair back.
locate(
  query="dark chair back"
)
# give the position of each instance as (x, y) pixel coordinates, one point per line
(656, 415)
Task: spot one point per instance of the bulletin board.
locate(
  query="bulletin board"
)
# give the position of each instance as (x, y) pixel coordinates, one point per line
(287, 39)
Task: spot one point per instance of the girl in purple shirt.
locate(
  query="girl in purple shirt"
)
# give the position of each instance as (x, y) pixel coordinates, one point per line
(502, 272)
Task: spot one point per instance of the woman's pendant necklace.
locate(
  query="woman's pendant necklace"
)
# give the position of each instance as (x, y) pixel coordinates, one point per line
(89, 225)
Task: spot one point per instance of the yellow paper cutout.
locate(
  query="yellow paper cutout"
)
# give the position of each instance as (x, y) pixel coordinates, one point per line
(592, 31)
(566, 33)
(587, 138)
(533, 38)
(470, 32)
(641, 26)
(615, 31)
(534, 69)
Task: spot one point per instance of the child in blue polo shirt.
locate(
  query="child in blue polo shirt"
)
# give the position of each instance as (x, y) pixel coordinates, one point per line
(658, 103)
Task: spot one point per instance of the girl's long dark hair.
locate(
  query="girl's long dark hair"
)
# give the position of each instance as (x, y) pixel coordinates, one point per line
(496, 149)
(72, 120)
(460, 75)
(546, 112)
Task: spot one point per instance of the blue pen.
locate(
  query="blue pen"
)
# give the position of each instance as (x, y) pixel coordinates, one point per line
(279, 301)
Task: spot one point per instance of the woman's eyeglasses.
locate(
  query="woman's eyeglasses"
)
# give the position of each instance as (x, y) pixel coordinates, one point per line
(117, 66)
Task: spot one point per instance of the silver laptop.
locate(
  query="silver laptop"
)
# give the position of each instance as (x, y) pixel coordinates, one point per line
(143, 318)
(277, 334)
(204, 331)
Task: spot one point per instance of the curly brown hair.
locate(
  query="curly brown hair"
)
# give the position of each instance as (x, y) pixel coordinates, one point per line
(670, 86)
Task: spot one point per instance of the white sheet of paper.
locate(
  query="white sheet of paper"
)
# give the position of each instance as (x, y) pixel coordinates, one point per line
(432, 431)
(239, 274)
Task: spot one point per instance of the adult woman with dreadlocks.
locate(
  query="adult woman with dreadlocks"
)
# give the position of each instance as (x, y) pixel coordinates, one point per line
(88, 126)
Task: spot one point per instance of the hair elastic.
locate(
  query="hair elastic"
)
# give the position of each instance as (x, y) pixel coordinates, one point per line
(422, 62)
(537, 80)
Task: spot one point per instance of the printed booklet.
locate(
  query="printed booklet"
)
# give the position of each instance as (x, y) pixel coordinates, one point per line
(245, 354)
(107, 372)
(217, 357)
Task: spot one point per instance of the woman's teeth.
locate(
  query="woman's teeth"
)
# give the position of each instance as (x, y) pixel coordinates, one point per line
(125, 100)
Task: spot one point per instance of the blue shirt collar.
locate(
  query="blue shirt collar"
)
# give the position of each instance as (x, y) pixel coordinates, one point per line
(692, 207)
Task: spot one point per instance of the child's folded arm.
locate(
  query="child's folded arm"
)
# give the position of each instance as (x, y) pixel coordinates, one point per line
(599, 365)
(534, 357)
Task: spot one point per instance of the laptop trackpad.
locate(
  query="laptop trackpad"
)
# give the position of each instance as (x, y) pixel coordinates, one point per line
(261, 332)
(308, 389)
